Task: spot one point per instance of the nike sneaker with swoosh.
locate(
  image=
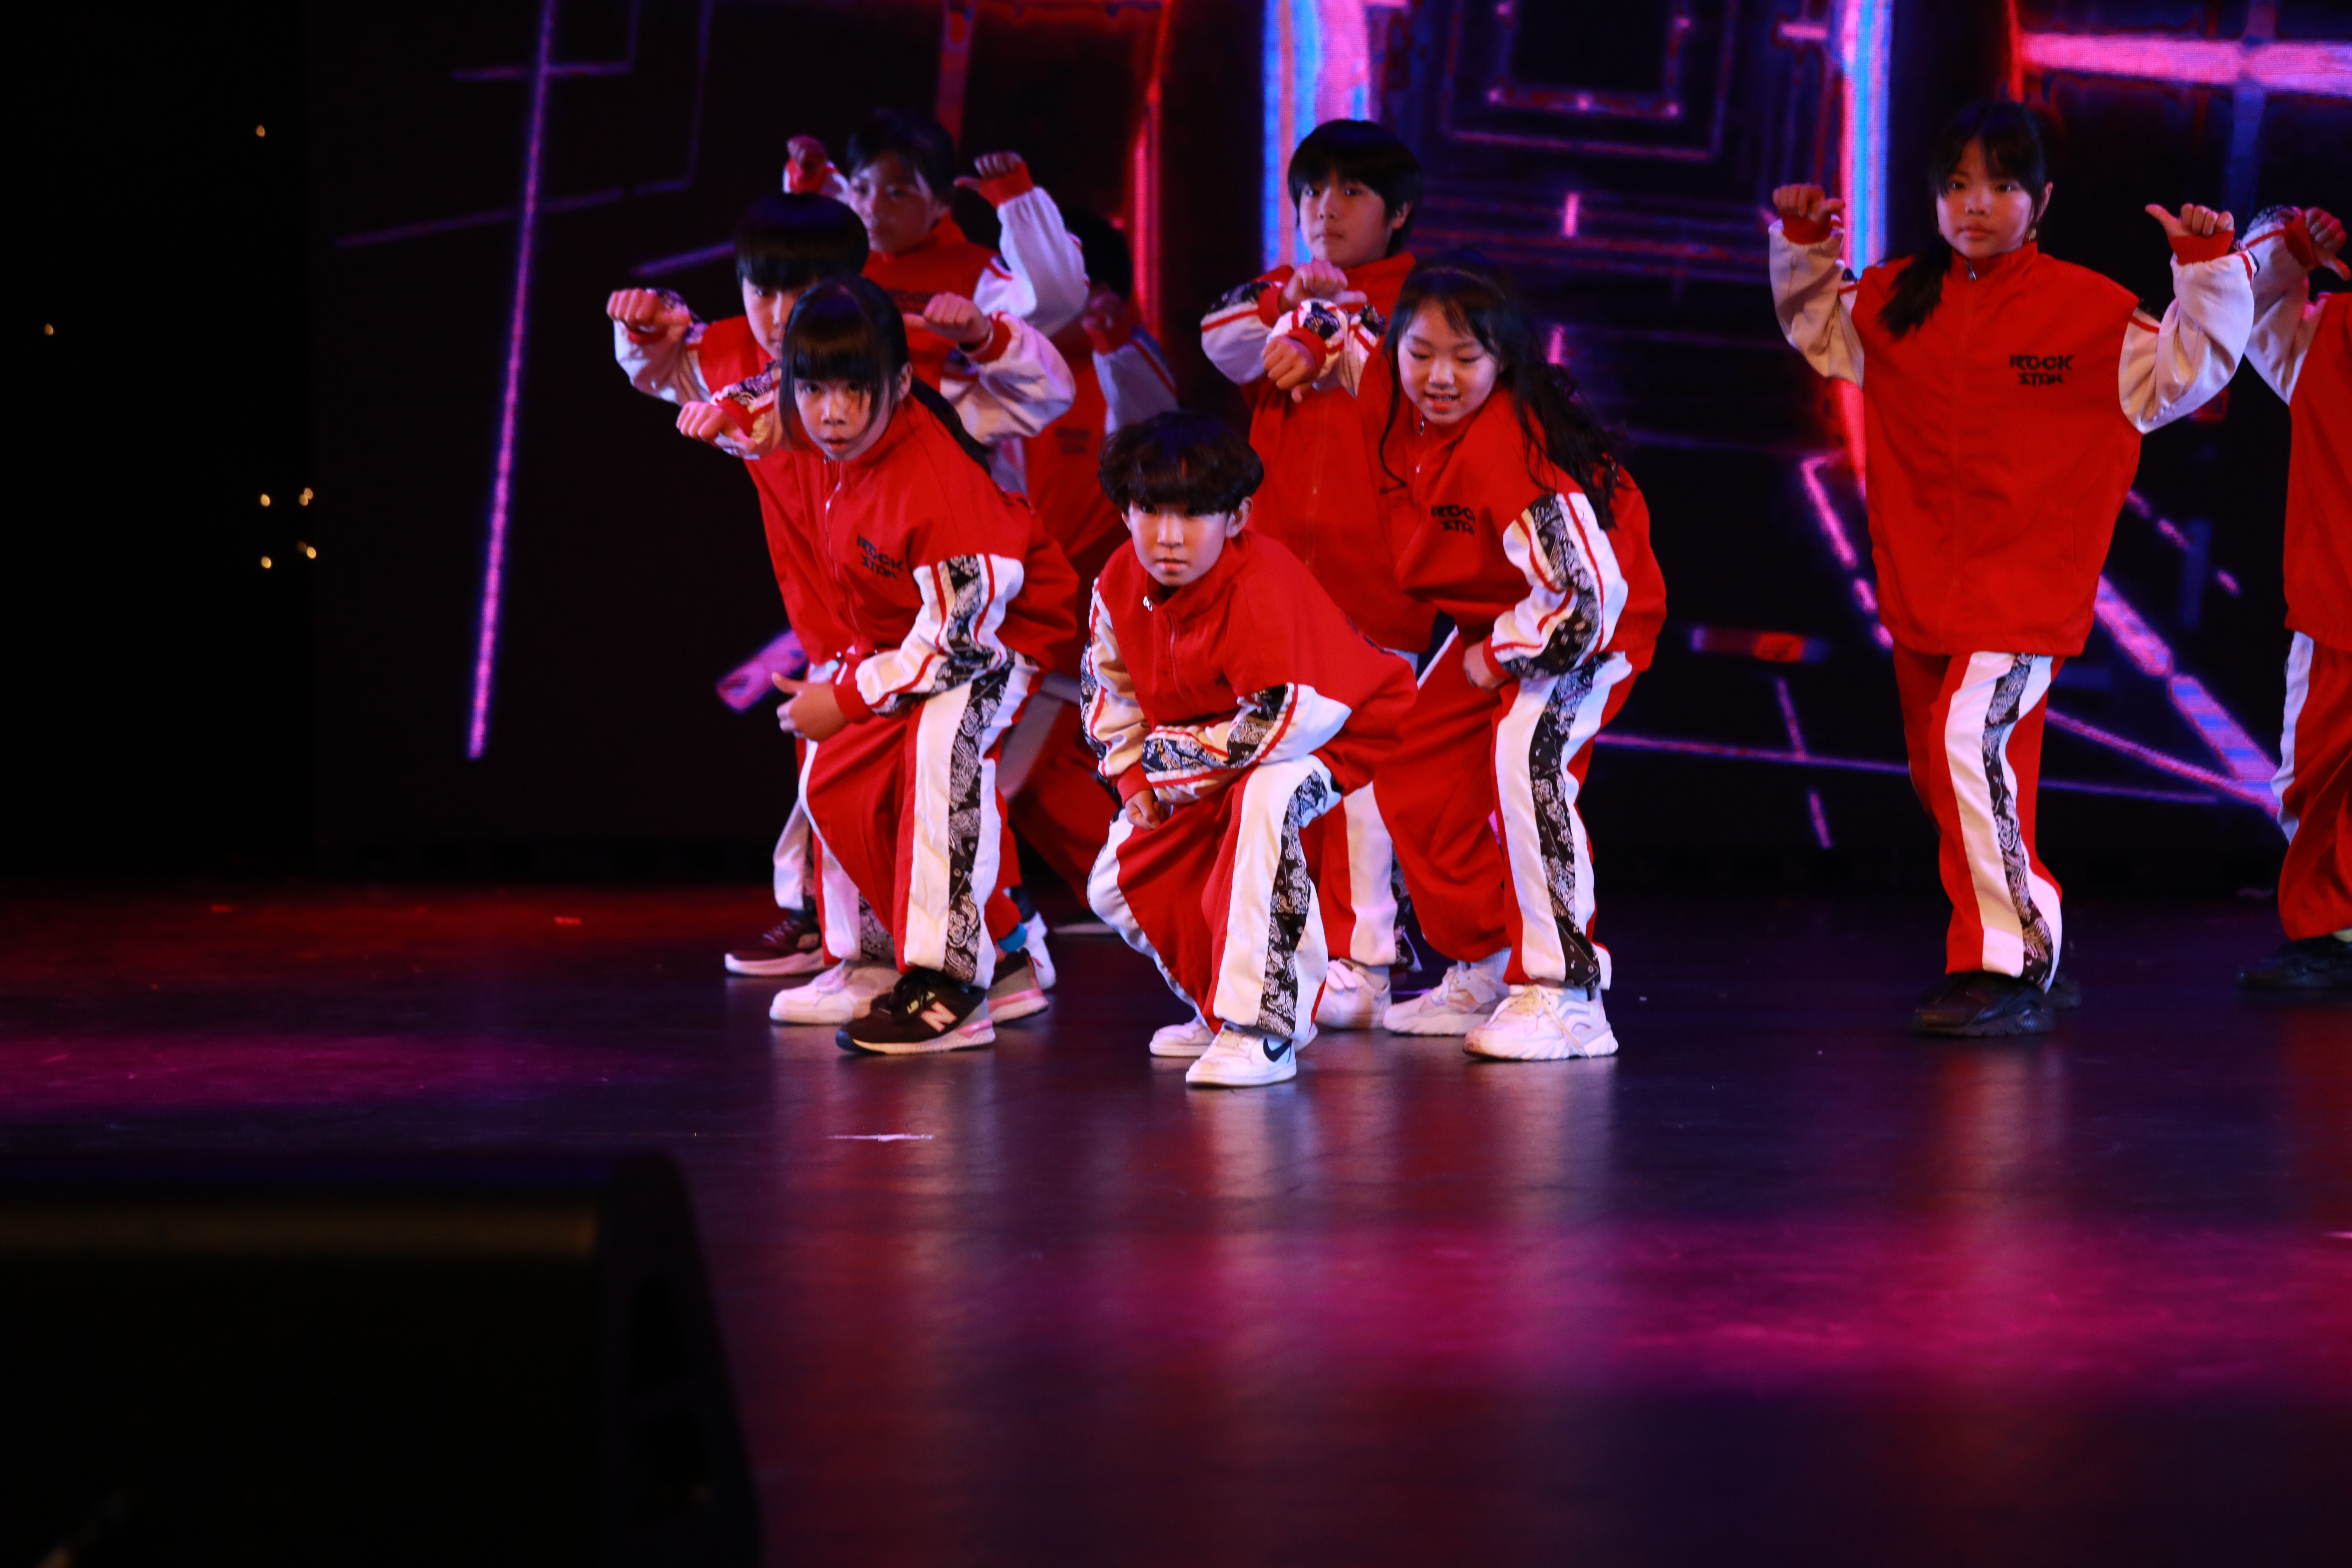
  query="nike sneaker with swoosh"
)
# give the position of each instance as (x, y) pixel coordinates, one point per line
(1240, 1058)
(926, 1013)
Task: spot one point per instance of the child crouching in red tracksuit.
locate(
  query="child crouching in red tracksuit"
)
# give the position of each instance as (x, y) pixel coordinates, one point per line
(2006, 397)
(955, 599)
(2303, 347)
(1232, 704)
(1513, 518)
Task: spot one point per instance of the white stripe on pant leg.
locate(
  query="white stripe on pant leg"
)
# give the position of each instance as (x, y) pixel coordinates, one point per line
(2298, 688)
(1108, 900)
(794, 887)
(1371, 880)
(1558, 715)
(1274, 953)
(2018, 910)
(955, 833)
(841, 909)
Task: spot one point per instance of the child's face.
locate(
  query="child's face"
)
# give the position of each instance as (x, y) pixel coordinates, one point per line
(767, 310)
(1983, 214)
(896, 207)
(1178, 547)
(1448, 373)
(1345, 222)
(842, 417)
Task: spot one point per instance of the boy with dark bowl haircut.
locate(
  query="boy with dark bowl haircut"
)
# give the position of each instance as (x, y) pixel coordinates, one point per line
(1357, 188)
(1232, 704)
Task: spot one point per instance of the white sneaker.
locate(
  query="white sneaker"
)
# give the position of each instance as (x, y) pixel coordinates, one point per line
(1544, 1024)
(1354, 997)
(1455, 1005)
(1188, 1039)
(1237, 1060)
(845, 992)
(1035, 946)
(1019, 989)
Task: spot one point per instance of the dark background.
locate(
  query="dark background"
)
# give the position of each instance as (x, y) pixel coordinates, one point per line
(200, 329)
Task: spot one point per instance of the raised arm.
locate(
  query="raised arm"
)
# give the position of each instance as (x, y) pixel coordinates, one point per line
(2170, 368)
(2286, 246)
(1575, 591)
(1044, 276)
(1812, 294)
(1013, 381)
(655, 338)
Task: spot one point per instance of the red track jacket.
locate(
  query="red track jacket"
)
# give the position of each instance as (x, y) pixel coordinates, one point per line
(2304, 349)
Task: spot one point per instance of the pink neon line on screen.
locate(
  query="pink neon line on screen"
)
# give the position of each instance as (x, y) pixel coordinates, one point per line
(485, 644)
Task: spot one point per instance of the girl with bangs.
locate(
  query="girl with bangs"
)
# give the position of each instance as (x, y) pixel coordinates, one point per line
(955, 600)
(2006, 397)
(1512, 516)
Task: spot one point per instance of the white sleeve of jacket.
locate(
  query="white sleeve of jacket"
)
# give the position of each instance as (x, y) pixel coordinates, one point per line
(2285, 320)
(1042, 279)
(668, 366)
(2172, 368)
(751, 403)
(1280, 724)
(1114, 720)
(1025, 388)
(954, 638)
(1232, 334)
(1136, 382)
(1814, 297)
(1575, 591)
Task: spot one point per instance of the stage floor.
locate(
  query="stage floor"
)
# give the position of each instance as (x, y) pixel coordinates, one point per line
(1777, 1283)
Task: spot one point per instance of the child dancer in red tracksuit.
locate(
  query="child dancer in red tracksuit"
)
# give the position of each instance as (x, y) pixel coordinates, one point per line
(1002, 380)
(2006, 397)
(2303, 347)
(955, 599)
(1232, 704)
(1514, 518)
(900, 179)
(1051, 791)
(1356, 186)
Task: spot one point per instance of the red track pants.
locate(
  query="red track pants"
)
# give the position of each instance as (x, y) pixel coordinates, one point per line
(1480, 801)
(905, 803)
(1972, 725)
(1222, 896)
(2314, 791)
(1355, 880)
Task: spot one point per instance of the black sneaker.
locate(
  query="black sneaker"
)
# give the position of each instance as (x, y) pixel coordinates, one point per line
(927, 1012)
(1976, 1004)
(2066, 992)
(2315, 964)
(791, 946)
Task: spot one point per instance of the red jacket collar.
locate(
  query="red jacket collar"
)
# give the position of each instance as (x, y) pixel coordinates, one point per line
(1196, 599)
(943, 233)
(2009, 263)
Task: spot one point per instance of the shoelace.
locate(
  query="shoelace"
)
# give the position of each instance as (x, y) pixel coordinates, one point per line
(1456, 988)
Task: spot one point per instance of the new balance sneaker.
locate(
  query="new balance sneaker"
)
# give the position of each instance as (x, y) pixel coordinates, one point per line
(1188, 1039)
(1019, 990)
(1354, 996)
(925, 1012)
(1455, 1005)
(2313, 964)
(1544, 1024)
(791, 946)
(1976, 1005)
(842, 993)
(1243, 1059)
(1034, 945)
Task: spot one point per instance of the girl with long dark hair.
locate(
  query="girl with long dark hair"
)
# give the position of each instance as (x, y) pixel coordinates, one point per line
(1512, 516)
(954, 600)
(2006, 397)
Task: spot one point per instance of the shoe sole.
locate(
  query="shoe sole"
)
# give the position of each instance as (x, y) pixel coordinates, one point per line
(2040, 1021)
(1566, 1050)
(834, 1017)
(1443, 1024)
(1201, 1081)
(1178, 1053)
(972, 1032)
(1019, 1005)
(791, 963)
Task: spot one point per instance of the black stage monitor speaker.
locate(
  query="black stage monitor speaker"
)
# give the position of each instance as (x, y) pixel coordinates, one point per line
(460, 1359)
